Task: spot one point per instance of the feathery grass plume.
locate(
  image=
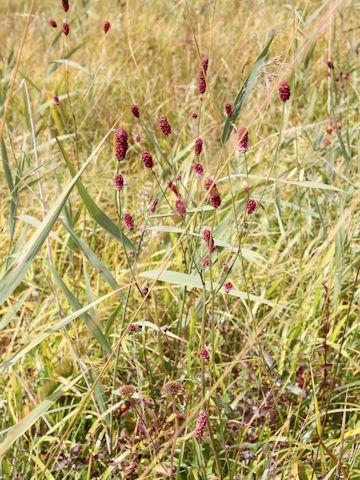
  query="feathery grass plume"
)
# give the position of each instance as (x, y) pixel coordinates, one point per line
(153, 205)
(118, 182)
(284, 91)
(251, 206)
(228, 286)
(127, 390)
(134, 109)
(201, 424)
(65, 4)
(164, 125)
(243, 138)
(53, 23)
(198, 169)
(180, 207)
(56, 100)
(198, 147)
(228, 108)
(129, 221)
(147, 159)
(121, 143)
(207, 236)
(204, 353)
(173, 188)
(172, 388)
(66, 29)
(106, 27)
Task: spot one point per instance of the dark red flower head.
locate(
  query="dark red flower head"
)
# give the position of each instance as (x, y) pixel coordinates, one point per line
(153, 205)
(164, 125)
(330, 65)
(201, 82)
(53, 23)
(129, 221)
(56, 100)
(173, 188)
(209, 183)
(144, 291)
(147, 159)
(180, 208)
(204, 353)
(121, 143)
(215, 200)
(106, 27)
(243, 138)
(228, 286)
(65, 4)
(66, 29)
(135, 110)
(198, 147)
(205, 64)
(118, 182)
(207, 236)
(251, 206)
(228, 109)
(198, 169)
(194, 115)
(201, 424)
(284, 91)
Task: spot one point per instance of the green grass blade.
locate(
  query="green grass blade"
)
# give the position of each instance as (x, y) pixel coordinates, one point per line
(44, 334)
(89, 321)
(16, 273)
(246, 89)
(98, 215)
(24, 424)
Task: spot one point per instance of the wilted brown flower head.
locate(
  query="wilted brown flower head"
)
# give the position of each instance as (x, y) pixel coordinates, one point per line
(172, 388)
(126, 390)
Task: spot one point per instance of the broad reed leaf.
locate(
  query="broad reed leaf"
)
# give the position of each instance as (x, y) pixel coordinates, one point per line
(91, 323)
(18, 269)
(246, 89)
(194, 281)
(98, 215)
(250, 255)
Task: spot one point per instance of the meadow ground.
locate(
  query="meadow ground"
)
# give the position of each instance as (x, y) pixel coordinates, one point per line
(179, 304)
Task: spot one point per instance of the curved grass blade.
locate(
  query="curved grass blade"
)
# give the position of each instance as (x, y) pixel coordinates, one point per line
(246, 89)
(17, 271)
(27, 422)
(37, 339)
(91, 324)
(98, 215)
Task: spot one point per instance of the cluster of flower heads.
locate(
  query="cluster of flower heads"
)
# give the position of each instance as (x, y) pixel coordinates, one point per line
(66, 26)
(341, 78)
(332, 126)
